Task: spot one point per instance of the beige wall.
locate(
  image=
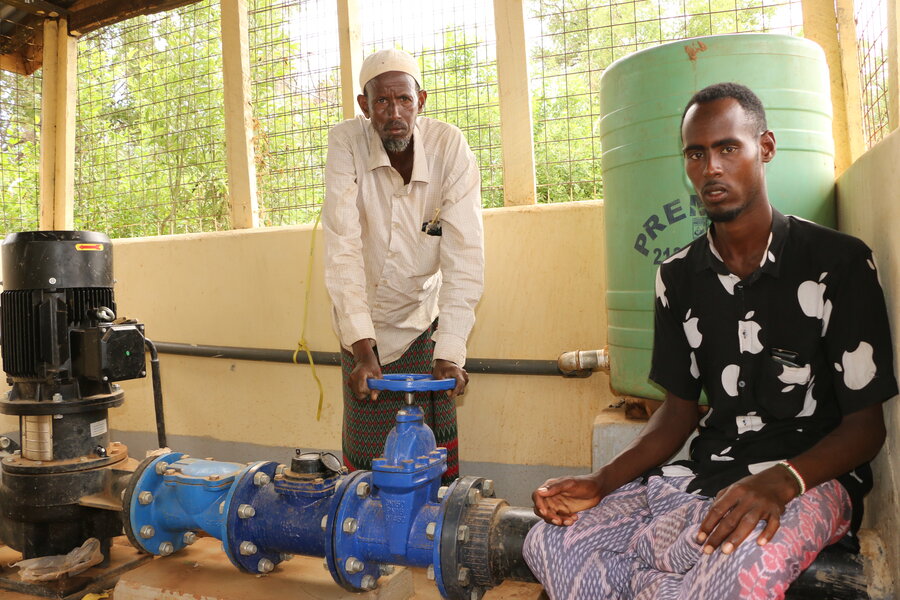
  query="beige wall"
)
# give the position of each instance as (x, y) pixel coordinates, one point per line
(869, 208)
(544, 295)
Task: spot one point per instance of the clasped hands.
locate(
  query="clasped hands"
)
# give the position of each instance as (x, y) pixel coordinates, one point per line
(732, 516)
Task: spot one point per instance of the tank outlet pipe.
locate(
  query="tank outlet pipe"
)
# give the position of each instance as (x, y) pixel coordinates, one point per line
(157, 394)
(581, 363)
(362, 522)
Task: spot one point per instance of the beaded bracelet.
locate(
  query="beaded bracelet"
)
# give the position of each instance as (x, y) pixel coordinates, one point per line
(795, 473)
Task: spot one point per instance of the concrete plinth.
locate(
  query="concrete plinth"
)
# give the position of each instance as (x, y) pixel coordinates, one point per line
(613, 432)
(203, 571)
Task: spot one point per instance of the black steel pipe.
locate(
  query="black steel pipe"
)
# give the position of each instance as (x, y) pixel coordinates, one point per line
(492, 366)
(157, 394)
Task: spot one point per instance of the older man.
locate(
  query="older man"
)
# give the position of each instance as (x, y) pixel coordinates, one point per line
(404, 253)
(783, 324)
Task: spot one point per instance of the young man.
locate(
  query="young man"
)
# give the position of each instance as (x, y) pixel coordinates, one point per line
(783, 324)
(403, 247)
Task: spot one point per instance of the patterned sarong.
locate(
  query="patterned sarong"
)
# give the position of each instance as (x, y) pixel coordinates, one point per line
(367, 423)
(639, 543)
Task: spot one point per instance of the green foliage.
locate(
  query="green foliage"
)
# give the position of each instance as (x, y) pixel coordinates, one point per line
(583, 37)
(150, 126)
(20, 105)
(463, 91)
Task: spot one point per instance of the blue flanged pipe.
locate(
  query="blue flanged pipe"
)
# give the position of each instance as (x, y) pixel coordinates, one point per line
(362, 522)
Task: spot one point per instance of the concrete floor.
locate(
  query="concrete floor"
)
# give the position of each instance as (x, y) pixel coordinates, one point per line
(203, 571)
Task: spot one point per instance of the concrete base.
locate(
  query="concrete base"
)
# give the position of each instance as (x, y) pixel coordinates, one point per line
(613, 432)
(203, 571)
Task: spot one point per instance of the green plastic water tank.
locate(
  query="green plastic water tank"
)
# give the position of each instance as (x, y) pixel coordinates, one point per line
(651, 210)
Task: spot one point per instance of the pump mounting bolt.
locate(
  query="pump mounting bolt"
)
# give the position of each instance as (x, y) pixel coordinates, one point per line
(473, 496)
(247, 548)
(261, 479)
(463, 576)
(430, 529)
(363, 489)
(353, 565)
(368, 582)
(462, 534)
(265, 565)
(161, 468)
(429, 573)
(442, 491)
(145, 498)
(324, 522)
(166, 548)
(189, 538)
(386, 569)
(147, 532)
(350, 525)
(245, 511)
(57, 397)
(286, 557)
(487, 488)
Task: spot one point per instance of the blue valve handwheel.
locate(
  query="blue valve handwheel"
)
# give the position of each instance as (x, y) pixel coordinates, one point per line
(411, 382)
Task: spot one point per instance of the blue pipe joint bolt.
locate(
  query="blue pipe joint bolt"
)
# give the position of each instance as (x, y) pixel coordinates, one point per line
(272, 512)
(172, 496)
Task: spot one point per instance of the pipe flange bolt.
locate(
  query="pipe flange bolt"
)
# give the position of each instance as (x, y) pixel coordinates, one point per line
(386, 569)
(147, 532)
(161, 468)
(261, 479)
(350, 525)
(363, 489)
(247, 548)
(265, 565)
(145, 498)
(189, 538)
(166, 548)
(464, 576)
(368, 582)
(462, 534)
(430, 529)
(245, 511)
(353, 565)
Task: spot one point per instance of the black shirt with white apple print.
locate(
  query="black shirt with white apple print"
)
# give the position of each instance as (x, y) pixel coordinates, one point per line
(781, 355)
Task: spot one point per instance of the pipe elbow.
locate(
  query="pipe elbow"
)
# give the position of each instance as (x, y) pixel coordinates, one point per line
(583, 362)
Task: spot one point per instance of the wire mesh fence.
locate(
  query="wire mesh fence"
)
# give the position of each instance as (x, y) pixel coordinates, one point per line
(871, 34)
(295, 72)
(150, 152)
(20, 128)
(571, 42)
(455, 44)
(150, 123)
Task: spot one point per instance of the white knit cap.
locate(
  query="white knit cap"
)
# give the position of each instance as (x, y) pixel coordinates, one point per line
(390, 59)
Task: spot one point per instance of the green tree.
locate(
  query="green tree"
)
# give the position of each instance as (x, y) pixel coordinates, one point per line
(20, 111)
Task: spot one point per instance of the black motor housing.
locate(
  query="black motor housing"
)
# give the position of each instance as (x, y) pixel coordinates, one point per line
(62, 350)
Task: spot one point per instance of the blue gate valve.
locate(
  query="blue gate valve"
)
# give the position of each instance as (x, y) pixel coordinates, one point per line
(362, 522)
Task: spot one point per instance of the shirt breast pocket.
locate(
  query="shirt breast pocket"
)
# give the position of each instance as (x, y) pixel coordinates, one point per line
(787, 388)
(428, 252)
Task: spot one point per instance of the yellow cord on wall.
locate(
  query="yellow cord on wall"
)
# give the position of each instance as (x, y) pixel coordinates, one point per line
(301, 344)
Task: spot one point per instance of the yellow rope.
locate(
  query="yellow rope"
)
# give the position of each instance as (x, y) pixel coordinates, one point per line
(301, 344)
